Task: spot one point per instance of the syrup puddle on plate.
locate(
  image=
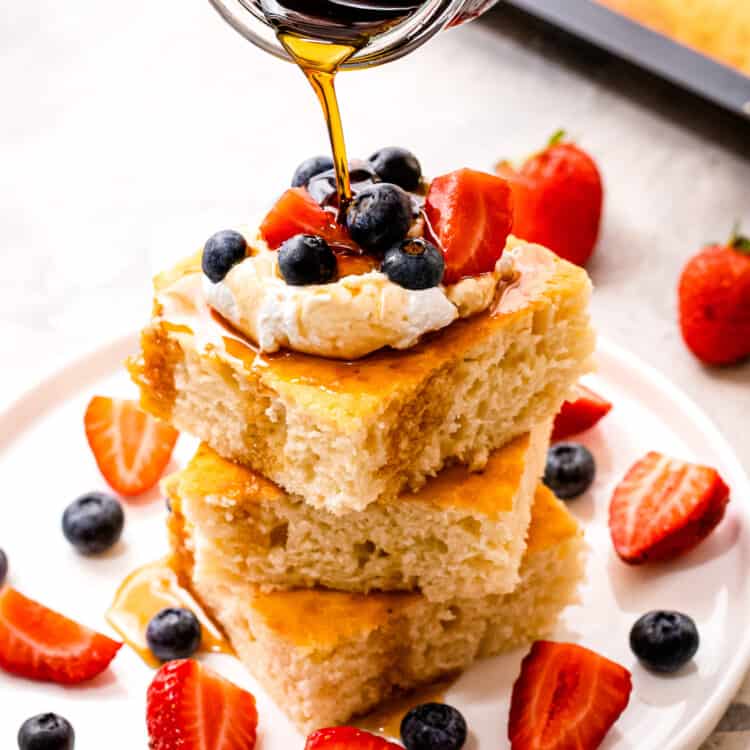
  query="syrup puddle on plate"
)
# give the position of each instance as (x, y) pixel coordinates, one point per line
(148, 590)
(386, 719)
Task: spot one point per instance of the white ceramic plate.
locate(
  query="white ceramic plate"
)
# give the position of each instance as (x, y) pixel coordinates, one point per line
(45, 463)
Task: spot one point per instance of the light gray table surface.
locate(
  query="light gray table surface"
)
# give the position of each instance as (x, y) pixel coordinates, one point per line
(131, 131)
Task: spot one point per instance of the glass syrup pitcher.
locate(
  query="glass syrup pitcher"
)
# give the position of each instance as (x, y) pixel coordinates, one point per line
(383, 30)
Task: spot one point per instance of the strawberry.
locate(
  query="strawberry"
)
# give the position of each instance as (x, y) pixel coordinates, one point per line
(347, 738)
(579, 413)
(40, 644)
(557, 198)
(714, 302)
(297, 212)
(664, 507)
(566, 698)
(469, 216)
(191, 707)
(131, 448)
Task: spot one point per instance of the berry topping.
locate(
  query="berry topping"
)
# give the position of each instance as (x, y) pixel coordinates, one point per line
(191, 707)
(565, 697)
(570, 470)
(3, 567)
(309, 168)
(173, 633)
(323, 186)
(580, 413)
(221, 252)
(664, 641)
(93, 522)
(307, 259)
(379, 216)
(297, 212)
(433, 726)
(40, 644)
(665, 507)
(397, 165)
(46, 732)
(469, 215)
(347, 738)
(414, 264)
(131, 448)
(557, 198)
(714, 301)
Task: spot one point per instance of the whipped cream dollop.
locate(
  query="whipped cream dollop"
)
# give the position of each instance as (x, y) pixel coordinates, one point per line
(348, 318)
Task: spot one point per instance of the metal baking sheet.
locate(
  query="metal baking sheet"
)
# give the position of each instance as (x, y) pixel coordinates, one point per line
(651, 50)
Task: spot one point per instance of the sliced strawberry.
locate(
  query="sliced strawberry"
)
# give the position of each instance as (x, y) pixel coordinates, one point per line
(580, 413)
(40, 644)
(664, 507)
(566, 698)
(469, 216)
(191, 707)
(297, 212)
(347, 738)
(131, 448)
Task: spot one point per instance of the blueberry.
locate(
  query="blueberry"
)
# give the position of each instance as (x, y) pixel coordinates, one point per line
(322, 187)
(570, 470)
(46, 732)
(173, 633)
(309, 168)
(222, 251)
(433, 726)
(664, 641)
(3, 567)
(397, 165)
(414, 264)
(93, 522)
(306, 259)
(379, 216)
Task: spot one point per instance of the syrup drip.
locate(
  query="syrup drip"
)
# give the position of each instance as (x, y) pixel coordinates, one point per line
(386, 719)
(148, 590)
(320, 36)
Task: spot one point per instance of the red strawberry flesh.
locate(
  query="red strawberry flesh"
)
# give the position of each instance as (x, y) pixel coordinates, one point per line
(191, 707)
(131, 448)
(41, 644)
(469, 216)
(566, 698)
(665, 507)
(580, 413)
(347, 738)
(297, 212)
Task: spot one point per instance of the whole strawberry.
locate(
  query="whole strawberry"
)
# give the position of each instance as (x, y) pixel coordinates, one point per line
(557, 199)
(714, 298)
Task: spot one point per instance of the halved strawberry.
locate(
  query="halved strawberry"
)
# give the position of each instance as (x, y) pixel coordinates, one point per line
(566, 698)
(664, 507)
(191, 707)
(580, 413)
(469, 216)
(40, 644)
(297, 212)
(347, 738)
(131, 448)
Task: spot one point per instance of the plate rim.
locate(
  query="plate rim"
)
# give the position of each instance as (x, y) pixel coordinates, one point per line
(27, 407)
(704, 722)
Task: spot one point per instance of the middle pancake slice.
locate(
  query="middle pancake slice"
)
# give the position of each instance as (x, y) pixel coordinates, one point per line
(462, 534)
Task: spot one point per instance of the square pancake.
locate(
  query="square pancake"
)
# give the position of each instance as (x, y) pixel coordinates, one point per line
(344, 434)
(328, 656)
(461, 534)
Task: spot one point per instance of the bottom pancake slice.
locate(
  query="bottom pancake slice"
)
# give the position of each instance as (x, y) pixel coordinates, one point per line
(327, 656)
